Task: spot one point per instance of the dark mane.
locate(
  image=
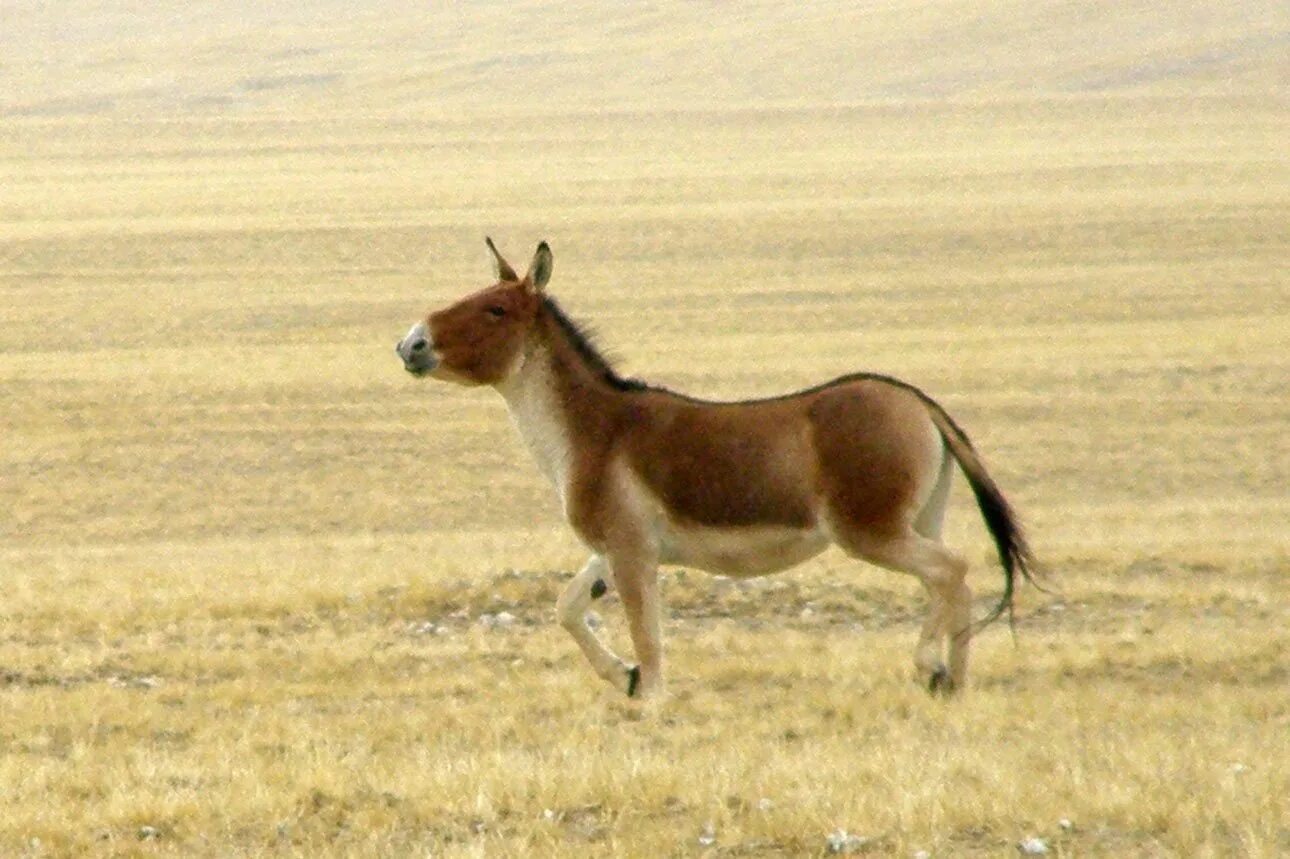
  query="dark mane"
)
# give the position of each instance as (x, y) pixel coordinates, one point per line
(580, 339)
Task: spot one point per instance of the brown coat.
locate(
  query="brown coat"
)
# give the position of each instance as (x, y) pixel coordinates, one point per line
(649, 476)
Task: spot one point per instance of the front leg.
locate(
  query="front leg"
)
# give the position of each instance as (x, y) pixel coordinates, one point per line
(636, 577)
(593, 582)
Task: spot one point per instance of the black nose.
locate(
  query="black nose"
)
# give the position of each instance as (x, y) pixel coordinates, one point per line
(419, 346)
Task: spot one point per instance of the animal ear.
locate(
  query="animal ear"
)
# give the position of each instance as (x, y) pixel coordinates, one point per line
(501, 267)
(540, 270)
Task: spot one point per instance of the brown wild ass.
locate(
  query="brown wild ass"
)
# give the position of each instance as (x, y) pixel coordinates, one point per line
(647, 476)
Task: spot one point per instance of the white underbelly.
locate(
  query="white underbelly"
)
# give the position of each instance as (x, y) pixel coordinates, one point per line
(751, 550)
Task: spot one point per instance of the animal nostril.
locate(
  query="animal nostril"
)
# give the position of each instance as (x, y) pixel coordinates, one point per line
(419, 346)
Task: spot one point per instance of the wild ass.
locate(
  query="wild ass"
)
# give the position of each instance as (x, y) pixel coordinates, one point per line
(647, 476)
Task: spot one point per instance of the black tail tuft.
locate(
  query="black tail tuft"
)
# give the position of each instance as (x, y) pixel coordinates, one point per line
(1009, 539)
(1014, 552)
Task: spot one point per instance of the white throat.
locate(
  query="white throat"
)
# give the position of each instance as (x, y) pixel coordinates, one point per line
(531, 397)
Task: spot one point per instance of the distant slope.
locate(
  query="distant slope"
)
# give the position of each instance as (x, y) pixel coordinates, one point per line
(93, 56)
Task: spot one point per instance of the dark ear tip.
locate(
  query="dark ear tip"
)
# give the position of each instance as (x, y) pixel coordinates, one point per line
(543, 246)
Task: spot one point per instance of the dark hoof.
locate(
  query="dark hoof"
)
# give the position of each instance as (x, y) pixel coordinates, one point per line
(940, 683)
(598, 588)
(633, 680)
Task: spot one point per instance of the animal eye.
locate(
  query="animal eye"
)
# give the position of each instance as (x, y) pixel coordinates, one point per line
(496, 311)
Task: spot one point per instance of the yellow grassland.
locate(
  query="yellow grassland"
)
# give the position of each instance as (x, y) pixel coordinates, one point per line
(244, 558)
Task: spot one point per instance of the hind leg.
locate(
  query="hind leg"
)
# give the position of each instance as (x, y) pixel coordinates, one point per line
(942, 573)
(955, 621)
(928, 659)
(931, 518)
(958, 628)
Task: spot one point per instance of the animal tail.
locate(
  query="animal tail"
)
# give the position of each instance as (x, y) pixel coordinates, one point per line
(1000, 519)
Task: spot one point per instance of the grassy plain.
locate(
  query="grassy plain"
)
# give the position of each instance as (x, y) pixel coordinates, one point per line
(246, 563)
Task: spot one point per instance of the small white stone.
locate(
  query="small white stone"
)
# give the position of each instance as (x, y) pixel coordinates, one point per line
(708, 836)
(764, 804)
(841, 841)
(1066, 824)
(922, 854)
(501, 620)
(148, 833)
(1033, 846)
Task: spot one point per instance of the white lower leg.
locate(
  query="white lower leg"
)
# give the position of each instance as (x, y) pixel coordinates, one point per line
(592, 582)
(927, 653)
(941, 573)
(638, 588)
(959, 630)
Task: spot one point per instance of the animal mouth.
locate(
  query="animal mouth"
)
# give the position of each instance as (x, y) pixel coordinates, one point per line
(417, 352)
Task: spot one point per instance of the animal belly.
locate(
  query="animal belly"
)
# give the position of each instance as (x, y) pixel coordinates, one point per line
(751, 550)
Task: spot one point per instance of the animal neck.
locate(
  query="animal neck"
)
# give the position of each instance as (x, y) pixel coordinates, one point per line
(562, 393)
(532, 398)
(580, 360)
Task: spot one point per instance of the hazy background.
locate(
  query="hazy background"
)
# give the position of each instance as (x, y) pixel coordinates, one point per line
(403, 59)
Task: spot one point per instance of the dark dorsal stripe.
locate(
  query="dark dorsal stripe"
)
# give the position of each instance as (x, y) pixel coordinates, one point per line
(580, 339)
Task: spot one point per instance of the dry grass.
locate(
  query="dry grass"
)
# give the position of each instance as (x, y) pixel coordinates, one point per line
(245, 558)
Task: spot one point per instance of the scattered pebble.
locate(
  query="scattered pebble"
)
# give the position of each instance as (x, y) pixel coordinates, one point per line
(1238, 768)
(764, 804)
(1066, 824)
(1033, 846)
(922, 854)
(501, 620)
(134, 682)
(708, 836)
(841, 841)
(148, 833)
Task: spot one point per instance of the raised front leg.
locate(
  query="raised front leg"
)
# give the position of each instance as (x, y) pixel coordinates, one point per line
(593, 582)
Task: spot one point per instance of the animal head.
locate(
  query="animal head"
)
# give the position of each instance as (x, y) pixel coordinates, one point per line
(479, 339)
